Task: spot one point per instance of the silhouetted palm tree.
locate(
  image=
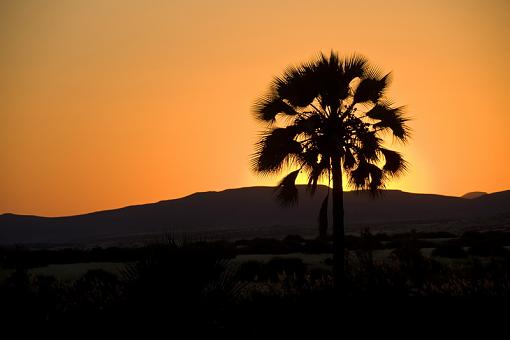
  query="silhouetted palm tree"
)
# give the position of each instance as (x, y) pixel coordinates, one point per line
(326, 117)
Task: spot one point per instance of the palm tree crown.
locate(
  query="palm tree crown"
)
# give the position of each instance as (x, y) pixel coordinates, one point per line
(328, 110)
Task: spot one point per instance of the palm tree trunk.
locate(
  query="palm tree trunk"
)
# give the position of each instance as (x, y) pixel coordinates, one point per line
(338, 225)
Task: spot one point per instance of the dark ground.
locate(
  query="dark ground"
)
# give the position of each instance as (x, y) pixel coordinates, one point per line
(200, 287)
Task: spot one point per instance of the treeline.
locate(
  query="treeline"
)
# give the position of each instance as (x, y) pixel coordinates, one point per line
(490, 243)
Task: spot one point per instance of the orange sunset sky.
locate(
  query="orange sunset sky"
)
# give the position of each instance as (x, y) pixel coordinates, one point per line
(110, 103)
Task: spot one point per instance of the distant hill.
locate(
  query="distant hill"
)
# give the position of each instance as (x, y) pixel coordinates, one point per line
(474, 194)
(251, 212)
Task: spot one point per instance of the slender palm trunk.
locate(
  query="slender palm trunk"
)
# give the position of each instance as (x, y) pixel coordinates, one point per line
(338, 225)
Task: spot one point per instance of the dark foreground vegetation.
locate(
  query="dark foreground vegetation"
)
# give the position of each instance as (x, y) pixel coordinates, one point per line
(200, 285)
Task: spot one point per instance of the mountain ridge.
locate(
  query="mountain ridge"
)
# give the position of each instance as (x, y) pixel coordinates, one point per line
(232, 189)
(245, 209)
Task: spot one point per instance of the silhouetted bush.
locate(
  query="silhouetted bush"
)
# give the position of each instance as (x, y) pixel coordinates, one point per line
(294, 239)
(263, 246)
(286, 266)
(450, 251)
(494, 238)
(317, 246)
(251, 271)
(434, 234)
(402, 243)
(488, 250)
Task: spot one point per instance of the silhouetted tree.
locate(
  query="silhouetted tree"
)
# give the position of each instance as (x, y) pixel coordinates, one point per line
(327, 118)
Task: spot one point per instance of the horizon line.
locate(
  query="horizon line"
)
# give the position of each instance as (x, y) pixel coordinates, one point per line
(219, 191)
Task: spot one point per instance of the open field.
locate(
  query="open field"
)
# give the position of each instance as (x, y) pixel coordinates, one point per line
(68, 265)
(72, 272)
(241, 284)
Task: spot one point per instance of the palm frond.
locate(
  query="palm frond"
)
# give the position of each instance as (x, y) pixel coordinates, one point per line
(310, 157)
(359, 177)
(287, 193)
(298, 85)
(316, 163)
(274, 149)
(381, 110)
(323, 218)
(315, 173)
(370, 145)
(334, 86)
(366, 176)
(355, 66)
(267, 108)
(394, 164)
(349, 161)
(371, 89)
(376, 178)
(308, 124)
(395, 120)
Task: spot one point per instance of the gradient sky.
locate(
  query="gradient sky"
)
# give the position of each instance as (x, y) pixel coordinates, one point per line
(110, 103)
